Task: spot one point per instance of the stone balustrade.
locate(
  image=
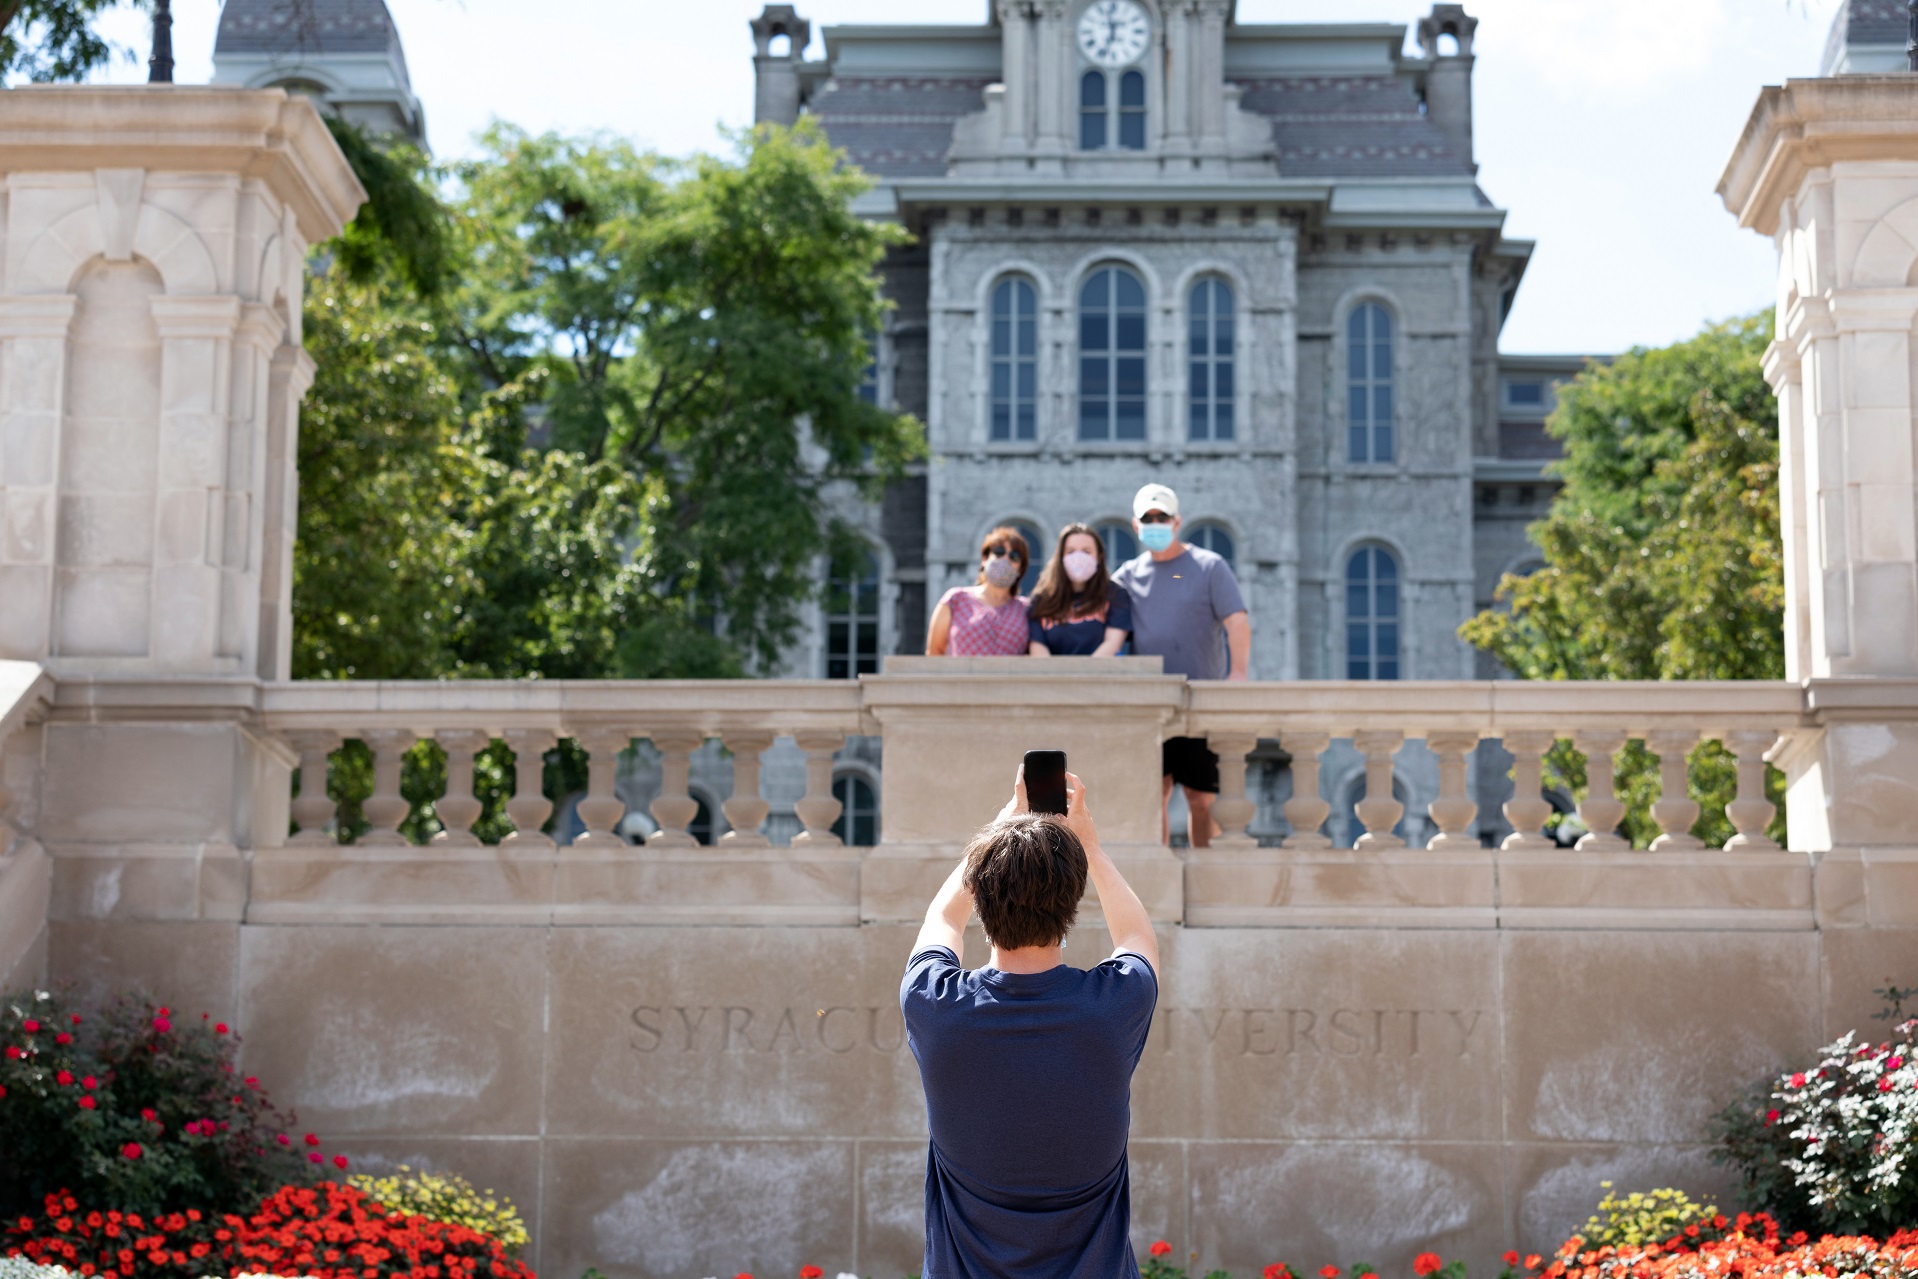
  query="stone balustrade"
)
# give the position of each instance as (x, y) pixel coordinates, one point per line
(952, 733)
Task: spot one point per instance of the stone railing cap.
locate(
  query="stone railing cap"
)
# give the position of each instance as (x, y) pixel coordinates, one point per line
(1808, 124)
(267, 134)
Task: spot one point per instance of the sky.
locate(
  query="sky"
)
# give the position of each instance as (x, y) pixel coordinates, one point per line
(1602, 125)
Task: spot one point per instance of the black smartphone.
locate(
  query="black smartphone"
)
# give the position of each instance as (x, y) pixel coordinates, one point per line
(1046, 781)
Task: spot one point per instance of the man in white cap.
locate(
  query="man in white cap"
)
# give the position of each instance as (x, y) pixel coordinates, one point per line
(1186, 608)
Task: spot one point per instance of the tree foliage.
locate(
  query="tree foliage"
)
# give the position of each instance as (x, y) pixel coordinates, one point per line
(49, 41)
(1662, 552)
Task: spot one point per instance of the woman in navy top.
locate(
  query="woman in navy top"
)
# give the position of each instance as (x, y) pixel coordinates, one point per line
(1077, 610)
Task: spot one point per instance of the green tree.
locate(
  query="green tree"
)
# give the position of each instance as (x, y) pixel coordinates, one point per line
(1663, 557)
(47, 41)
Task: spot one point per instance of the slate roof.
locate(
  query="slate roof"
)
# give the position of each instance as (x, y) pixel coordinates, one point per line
(1864, 22)
(304, 28)
(896, 126)
(1351, 126)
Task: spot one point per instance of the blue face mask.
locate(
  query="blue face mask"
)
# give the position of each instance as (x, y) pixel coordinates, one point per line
(1155, 537)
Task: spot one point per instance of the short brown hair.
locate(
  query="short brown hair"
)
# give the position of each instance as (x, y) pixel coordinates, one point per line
(1026, 873)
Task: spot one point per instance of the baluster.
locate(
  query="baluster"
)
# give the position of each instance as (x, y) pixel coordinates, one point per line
(1378, 812)
(459, 808)
(313, 808)
(1454, 809)
(386, 807)
(1750, 812)
(1675, 810)
(1527, 809)
(529, 808)
(1232, 810)
(602, 808)
(818, 810)
(1306, 812)
(1602, 810)
(746, 810)
(675, 807)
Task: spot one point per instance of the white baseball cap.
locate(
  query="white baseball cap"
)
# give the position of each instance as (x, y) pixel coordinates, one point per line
(1155, 497)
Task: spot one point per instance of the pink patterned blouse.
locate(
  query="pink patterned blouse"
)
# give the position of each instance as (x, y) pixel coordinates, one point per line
(980, 631)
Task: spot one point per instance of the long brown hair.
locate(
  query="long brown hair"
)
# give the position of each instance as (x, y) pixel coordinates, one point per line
(1015, 543)
(1055, 598)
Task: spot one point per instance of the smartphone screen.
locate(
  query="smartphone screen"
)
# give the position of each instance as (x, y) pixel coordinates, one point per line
(1046, 781)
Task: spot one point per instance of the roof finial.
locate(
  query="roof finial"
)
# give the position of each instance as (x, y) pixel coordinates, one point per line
(160, 65)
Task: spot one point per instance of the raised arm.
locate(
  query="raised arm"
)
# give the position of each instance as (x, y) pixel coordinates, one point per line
(1126, 920)
(946, 918)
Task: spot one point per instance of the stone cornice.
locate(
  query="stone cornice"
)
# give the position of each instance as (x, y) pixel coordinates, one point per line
(1812, 124)
(260, 133)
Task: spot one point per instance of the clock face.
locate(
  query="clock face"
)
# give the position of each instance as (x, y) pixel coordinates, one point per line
(1113, 32)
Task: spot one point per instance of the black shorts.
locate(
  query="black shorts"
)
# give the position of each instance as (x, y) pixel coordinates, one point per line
(1187, 761)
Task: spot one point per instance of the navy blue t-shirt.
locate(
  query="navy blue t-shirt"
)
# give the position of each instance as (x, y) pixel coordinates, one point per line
(1028, 1080)
(1082, 637)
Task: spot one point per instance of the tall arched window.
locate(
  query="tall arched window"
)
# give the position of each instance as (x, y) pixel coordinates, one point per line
(1371, 614)
(851, 608)
(1214, 539)
(1112, 356)
(1015, 360)
(1209, 386)
(858, 824)
(1121, 545)
(1368, 383)
(1092, 111)
(1132, 111)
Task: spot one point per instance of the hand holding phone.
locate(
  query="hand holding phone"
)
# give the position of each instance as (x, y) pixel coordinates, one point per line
(1045, 774)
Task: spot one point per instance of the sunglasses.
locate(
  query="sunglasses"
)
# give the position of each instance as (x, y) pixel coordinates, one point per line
(1155, 517)
(997, 552)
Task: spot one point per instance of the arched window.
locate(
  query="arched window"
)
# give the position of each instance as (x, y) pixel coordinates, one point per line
(1037, 551)
(858, 824)
(1371, 614)
(1132, 111)
(1112, 356)
(1092, 111)
(1015, 360)
(1121, 545)
(1214, 539)
(1368, 383)
(851, 608)
(1209, 387)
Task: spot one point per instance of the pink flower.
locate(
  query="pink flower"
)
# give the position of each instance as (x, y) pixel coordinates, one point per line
(317, 1157)
(283, 1139)
(1798, 1080)
(162, 1025)
(1894, 1063)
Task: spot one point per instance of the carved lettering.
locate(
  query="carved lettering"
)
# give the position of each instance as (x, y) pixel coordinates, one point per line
(1378, 1032)
(691, 1026)
(1257, 1028)
(746, 1019)
(1295, 1034)
(787, 1028)
(1348, 1040)
(826, 1039)
(1465, 1028)
(872, 1030)
(646, 1027)
(1412, 1014)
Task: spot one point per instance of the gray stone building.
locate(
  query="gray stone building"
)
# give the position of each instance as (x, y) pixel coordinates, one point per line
(346, 53)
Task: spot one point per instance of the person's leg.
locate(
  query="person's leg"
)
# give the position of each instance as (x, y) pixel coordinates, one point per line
(1165, 802)
(1200, 828)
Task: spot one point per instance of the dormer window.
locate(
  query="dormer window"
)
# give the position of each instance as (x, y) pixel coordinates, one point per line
(1113, 35)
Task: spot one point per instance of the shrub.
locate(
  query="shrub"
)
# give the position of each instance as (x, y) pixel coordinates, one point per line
(328, 1231)
(127, 1109)
(1650, 1217)
(449, 1198)
(1751, 1248)
(1834, 1145)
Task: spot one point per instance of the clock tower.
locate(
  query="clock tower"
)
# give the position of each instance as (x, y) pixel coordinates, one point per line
(1113, 88)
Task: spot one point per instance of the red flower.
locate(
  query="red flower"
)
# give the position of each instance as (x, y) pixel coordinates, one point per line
(89, 1082)
(1328, 1272)
(1884, 1085)
(1426, 1263)
(63, 1038)
(16, 1053)
(1532, 1260)
(810, 1272)
(283, 1139)
(1894, 1063)
(1771, 1117)
(1511, 1258)
(161, 1023)
(1160, 1248)
(31, 1026)
(3, 1090)
(219, 1028)
(312, 1140)
(339, 1161)
(63, 1078)
(1798, 1080)
(1277, 1270)
(742, 1275)
(149, 1116)
(131, 1150)
(76, 1019)
(87, 1103)
(317, 1157)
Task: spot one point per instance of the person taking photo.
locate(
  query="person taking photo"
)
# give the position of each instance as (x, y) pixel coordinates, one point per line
(985, 619)
(1027, 1062)
(1186, 607)
(1076, 611)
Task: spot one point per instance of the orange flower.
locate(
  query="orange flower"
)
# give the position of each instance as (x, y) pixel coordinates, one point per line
(1426, 1263)
(1532, 1260)
(1160, 1248)
(810, 1272)
(1328, 1272)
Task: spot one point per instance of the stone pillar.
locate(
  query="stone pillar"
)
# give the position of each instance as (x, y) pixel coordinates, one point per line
(150, 377)
(1448, 81)
(776, 90)
(1829, 169)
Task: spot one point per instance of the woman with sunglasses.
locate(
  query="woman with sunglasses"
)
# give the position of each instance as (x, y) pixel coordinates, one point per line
(985, 619)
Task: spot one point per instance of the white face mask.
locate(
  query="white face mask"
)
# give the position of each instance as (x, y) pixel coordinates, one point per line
(1081, 565)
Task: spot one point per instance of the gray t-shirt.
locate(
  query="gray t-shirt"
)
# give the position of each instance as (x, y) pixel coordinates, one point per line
(1177, 608)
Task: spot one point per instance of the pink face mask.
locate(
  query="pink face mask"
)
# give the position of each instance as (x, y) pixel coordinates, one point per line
(1081, 565)
(1002, 571)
